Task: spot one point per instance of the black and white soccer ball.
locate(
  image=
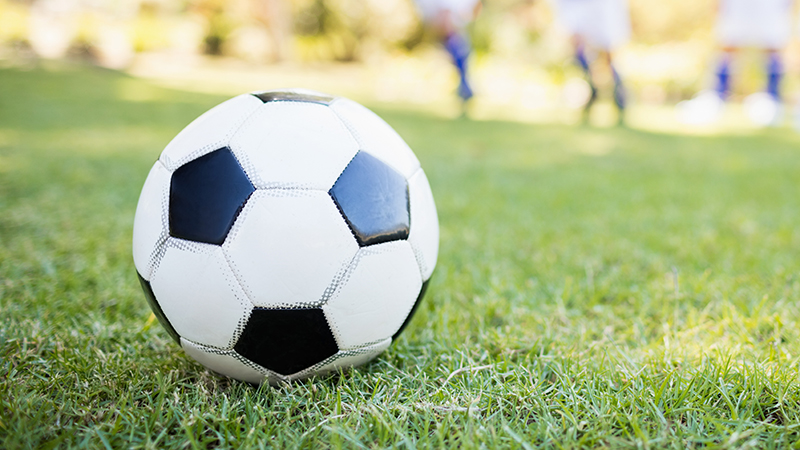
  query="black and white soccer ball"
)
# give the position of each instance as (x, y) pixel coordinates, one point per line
(285, 234)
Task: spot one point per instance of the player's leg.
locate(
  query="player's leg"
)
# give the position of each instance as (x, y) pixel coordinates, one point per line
(582, 60)
(620, 95)
(774, 74)
(458, 46)
(723, 73)
(766, 108)
(707, 106)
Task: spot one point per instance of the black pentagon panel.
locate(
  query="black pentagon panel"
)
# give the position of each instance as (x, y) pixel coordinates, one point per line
(287, 341)
(151, 300)
(373, 199)
(413, 309)
(205, 197)
(288, 96)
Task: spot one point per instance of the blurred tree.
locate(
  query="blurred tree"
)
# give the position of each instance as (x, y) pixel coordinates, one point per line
(218, 24)
(326, 30)
(349, 30)
(276, 15)
(149, 30)
(657, 22)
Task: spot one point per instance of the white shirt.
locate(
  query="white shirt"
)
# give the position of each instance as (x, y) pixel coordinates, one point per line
(604, 24)
(754, 23)
(460, 10)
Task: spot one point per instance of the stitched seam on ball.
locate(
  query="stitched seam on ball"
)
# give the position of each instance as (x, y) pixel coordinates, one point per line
(337, 280)
(419, 169)
(208, 348)
(241, 296)
(341, 354)
(419, 254)
(333, 291)
(342, 213)
(342, 279)
(262, 370)
(159, 257)
(421, 283)
(235, 282)
(353, 265)
(346, 126)
(421, 264)
(241, 123)
(158, 251)
(290, 191)
(367, 345)
(223, 141)
(249, 167)
(232, 354)
(349, 127)
(231, 236)
(179, 244)
(362, 145)
(189, 246)
(289, 187)
(362, 252)
(240, 277)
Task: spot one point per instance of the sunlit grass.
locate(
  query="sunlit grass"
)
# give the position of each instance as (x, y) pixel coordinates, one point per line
(596, 288)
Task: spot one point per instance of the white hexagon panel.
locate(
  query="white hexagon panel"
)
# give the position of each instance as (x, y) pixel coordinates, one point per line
(210, 131)
(375, 136)
(288, 246)
(291, 144)
(346, 359)
(380, 290)
(223, 361)
(424, 229)
(150, 223)
(199, 294)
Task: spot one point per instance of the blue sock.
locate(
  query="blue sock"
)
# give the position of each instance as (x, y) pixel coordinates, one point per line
(459, 48)
(724, 77)
(774, 75)
(619, 90)
(583, 62)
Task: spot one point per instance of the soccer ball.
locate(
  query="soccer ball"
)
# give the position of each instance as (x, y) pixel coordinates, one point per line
(285, 234)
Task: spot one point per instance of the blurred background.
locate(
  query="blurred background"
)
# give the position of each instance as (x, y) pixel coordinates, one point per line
(377, 51)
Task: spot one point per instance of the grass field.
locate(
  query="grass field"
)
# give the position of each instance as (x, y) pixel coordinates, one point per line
(595, 288)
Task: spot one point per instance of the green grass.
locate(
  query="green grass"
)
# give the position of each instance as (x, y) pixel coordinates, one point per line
(595, 288)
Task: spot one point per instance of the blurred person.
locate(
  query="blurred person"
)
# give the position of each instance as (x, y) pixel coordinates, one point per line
(596, 28)
(53, 27)
(760, 24)
(59, 28)
(449, 20)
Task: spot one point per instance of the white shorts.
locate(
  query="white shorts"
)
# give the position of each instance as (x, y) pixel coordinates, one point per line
(754, 23)
(461, 10)
(604, 24)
